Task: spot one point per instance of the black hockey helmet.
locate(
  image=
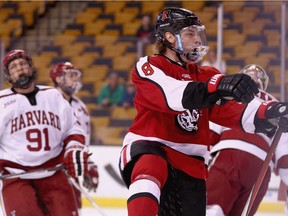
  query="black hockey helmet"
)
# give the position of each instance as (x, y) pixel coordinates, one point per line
(174, 20)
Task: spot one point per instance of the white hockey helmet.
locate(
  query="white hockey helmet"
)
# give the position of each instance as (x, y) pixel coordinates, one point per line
(258, 74)
(59, 70)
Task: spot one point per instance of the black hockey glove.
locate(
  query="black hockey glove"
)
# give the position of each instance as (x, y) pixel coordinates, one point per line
(239, 87)
(272, 109)
(266, 119)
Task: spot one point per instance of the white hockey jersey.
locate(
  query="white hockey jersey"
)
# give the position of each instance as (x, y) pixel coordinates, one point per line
(36, 130)
(83, 117)
(256, 144)
(281, 159)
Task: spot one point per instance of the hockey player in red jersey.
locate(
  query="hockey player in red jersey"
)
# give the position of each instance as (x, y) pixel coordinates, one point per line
(238, 159)
(165, 152)
(38, 131)
(67, 79)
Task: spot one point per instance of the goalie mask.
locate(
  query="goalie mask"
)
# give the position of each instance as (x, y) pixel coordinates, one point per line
(258, 74)
(67, 77)
(12, 70)
(180, 21)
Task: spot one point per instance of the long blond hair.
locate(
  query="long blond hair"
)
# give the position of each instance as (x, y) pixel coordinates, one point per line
(159, 47)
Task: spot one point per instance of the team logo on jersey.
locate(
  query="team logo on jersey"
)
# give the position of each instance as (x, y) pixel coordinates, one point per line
(34, 118)
(189, 120)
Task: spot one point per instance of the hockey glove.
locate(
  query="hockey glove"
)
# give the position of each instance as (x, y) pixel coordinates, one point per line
(75, 159)
(91, 179)
(266, 119)
(239, 87)
(272, 109)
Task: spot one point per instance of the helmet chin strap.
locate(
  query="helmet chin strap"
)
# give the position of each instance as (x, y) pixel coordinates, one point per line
(178, 53)
(188, 55)
(179, 57)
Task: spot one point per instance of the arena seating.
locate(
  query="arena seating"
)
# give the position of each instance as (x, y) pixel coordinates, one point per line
(17, 16)
(102, 39)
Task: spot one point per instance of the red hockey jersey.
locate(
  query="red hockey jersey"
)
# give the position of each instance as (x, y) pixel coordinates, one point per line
(175, 110)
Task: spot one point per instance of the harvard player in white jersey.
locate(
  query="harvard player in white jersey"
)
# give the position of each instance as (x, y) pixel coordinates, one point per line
(238, 159)
(38, 130)
(67, 79)
(281, 169)
(165, 152)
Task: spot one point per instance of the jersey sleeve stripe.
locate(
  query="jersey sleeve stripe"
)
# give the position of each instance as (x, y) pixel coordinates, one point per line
(248, 116)
(170, 87)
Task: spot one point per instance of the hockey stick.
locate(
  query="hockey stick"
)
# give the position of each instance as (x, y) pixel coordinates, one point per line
(78, 187)
(32, 172)
(52, 169)
(114, 175)
(283, 124)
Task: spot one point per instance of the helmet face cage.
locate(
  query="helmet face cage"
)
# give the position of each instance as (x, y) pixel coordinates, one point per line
(77, 84)
(70, 77)
(258, 74)
(22, 81)
(176, 21)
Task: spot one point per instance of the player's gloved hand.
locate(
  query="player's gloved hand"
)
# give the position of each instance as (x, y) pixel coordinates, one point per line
(75, 159)
(272, 109)
(239, 87)
(266, 119)
(91, 179)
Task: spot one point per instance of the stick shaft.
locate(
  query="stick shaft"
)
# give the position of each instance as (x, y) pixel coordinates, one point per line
(32, 172)
(262, 173)
(78, 187)
(51, 169)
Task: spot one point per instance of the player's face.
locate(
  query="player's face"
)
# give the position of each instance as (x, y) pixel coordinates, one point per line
(19, 69)
(72, 78)
(190, 39)
(192, 43)
(71, 82)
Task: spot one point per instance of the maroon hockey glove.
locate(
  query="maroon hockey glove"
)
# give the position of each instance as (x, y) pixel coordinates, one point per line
(239, 87)
(75, 159)
(91, 179)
